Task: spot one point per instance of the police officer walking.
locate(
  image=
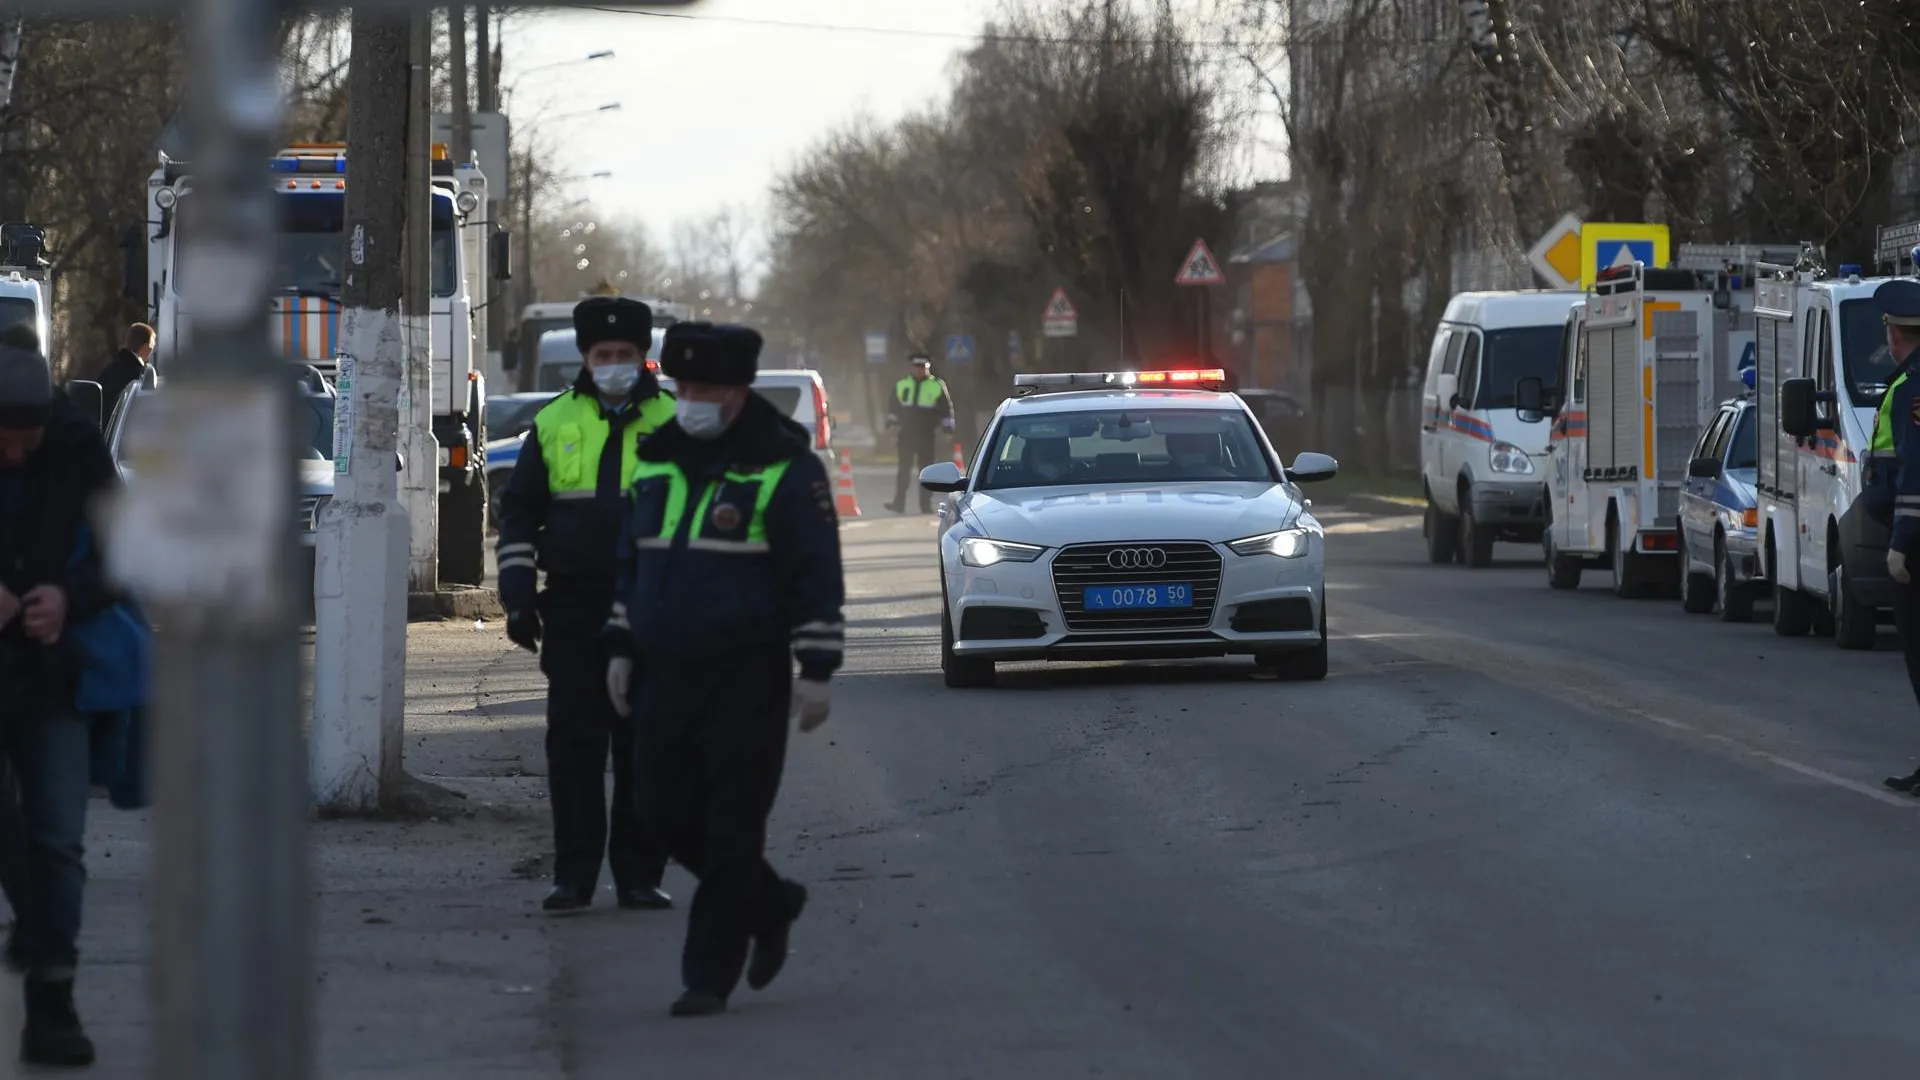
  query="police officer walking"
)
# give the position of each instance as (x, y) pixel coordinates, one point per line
(561, 513)
(729, 572)
(920, 409)
(1897, 435)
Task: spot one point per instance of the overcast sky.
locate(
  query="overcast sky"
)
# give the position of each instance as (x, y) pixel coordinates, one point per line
(713, 107)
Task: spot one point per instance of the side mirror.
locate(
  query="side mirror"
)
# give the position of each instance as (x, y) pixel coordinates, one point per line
(1453, 402)
(942, 476)
(133, 263)
(500, 255)
(91, 398)
(399, 461)
(1311, 468)
(1530, 400)
(1798, 415)
(1704, 468)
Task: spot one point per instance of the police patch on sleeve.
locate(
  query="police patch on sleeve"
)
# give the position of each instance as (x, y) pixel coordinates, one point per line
(823, 499)
(1913, 411)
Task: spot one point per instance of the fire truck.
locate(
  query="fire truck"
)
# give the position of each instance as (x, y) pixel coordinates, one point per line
(1648, 354)
(467, 255)
(1822, 365)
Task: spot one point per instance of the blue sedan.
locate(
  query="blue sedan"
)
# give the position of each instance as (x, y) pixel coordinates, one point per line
(1719, 517)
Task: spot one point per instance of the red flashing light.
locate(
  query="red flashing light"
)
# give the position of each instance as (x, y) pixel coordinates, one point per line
(822, 422)
(1185, 376)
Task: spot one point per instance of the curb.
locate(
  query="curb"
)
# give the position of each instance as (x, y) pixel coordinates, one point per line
(1384, 505)
(454, 604)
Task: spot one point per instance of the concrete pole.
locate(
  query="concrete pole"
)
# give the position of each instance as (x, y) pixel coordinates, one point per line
(483, 56)
(462, 87)
(420, 488)
(232, 935)
(360, 625)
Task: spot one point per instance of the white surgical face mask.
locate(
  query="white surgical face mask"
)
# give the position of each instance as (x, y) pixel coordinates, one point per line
(700, 419)
(616, 380)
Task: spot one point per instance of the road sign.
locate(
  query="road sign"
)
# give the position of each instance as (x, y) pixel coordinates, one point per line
(1201, 268)
(959, 348)
(1556, 256)
(1061, 319)
(876, 348)
(1606, 244)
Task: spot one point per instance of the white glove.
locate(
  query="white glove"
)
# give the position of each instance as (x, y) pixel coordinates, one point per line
(811, 703)
(619, 682)
(946, 425)
(1897, 566)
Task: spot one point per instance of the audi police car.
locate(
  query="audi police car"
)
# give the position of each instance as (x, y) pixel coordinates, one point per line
(1129, 515)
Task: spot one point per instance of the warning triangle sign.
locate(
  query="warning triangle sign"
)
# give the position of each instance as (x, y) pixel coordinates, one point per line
(1200, 268)
(1060, 308)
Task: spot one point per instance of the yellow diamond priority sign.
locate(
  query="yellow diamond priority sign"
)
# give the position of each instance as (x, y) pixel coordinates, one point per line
(1556, 256)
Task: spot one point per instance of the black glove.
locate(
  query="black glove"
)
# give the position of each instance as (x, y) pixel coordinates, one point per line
(523, 629)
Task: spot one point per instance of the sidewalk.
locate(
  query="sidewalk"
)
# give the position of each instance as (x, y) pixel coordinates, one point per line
(431, 958)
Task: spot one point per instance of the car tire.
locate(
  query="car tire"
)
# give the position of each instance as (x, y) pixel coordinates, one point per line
(1854, 625)
(1563, 571)
(463, 534)
(496, 484)
(1298, 665)
(1442, 533)
(1476, 540)
(1626, 565)
(1733, 601)
(1792, 612)
(960, 672)
(1697, 591)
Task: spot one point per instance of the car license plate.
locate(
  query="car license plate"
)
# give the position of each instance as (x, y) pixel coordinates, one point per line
(1135, 597)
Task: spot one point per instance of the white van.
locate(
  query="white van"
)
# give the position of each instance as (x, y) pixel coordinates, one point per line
(1478, 460)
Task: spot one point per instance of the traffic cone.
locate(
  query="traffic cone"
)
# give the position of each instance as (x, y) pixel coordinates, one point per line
(959, 459)
(844, 503)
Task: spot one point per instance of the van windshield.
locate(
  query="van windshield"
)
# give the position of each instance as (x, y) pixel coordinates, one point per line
(1514, 354)
(1863, 351)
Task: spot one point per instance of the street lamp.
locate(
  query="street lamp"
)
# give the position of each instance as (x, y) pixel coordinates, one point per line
(604, 174)
(603, 54)
(611, 106)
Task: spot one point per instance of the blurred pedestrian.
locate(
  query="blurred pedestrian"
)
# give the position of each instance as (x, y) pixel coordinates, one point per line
(920, 411)
(136, 352)
(561, 513)
(54, 468)
(729, 572)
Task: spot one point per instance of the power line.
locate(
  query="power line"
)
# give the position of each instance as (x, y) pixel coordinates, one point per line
(909, 32)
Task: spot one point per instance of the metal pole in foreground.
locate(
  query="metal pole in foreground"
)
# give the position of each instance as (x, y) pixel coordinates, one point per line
(207, 539)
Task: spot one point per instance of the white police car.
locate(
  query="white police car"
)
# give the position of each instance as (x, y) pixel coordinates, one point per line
(1129, 515)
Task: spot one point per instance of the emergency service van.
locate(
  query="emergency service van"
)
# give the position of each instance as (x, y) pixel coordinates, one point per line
(1647, 357)
(1823, 365)
(1477, 459)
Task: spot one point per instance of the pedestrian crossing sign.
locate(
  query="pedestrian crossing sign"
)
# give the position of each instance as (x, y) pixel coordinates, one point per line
(1201, 268)
(959, 349)
(1607, 244)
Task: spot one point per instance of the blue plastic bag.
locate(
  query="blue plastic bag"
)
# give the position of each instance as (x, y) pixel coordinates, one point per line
(115, 649)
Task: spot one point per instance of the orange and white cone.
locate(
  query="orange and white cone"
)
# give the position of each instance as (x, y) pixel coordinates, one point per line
(844, 503)
(959, 458)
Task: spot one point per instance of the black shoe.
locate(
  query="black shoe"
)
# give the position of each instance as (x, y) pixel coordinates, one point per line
(695, 1003)
(53, 1035)
(1903, 783)
(566, 899)
(648, 899)
(770, 948)
(896, 508)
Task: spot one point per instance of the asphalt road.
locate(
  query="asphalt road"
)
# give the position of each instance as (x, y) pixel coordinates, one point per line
(1516, 833)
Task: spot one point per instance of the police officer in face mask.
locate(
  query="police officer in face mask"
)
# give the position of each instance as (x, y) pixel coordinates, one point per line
(561, 513)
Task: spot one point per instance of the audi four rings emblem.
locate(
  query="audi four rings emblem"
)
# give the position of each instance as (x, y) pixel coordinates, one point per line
(1137, 558)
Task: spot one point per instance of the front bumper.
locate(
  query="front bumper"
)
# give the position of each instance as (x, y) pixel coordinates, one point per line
(1519, 502)
(1743, 552)
(1012, 611)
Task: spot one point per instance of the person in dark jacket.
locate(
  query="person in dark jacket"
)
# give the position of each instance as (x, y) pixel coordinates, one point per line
(921, 408)
(729, 572)
(136, 352)
(54, 468)
(561, 513)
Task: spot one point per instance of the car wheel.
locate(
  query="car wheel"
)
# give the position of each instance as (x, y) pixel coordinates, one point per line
(960, 672)
(1476, 540)
(1792, 612)
(1626, 564)
(1298, 665)
(1854, 626)
(1442, 533)
(1697, 591)
(1563, 571)
(1732, 600)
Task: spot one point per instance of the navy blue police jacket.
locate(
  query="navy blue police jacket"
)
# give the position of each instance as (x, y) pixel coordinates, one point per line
(730, 545)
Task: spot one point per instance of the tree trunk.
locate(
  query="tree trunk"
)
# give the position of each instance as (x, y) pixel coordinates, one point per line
(1491, 42)
(462, 86)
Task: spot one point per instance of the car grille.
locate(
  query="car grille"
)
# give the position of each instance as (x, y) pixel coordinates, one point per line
(1187, 563)
(309, 513)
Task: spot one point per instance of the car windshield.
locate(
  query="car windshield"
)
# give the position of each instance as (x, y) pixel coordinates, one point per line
(312, 251)
(1119, 446)
(510, 417)
(1742, 451)
(18, 311)
(314, 425)
(1863, 351)
(1517, 353)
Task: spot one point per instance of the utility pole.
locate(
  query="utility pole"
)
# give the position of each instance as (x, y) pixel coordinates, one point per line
(420, 490)
(483, 55)
(462, 86)
(360, 587)
(207, 540)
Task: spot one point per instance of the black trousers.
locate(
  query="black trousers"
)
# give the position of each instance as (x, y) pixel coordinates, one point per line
(1906, 618)
(582, 729)
(713, 743)
(916, 453)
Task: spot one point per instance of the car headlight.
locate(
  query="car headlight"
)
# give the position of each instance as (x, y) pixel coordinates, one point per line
(1510, 459)
(1287, 543)
(980, 551)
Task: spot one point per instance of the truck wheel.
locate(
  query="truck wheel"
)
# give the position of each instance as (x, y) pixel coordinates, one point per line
(1733, 601)
(1853, 623)
(1696, 589)
(1563, 571)
(1627, 570)
(463, 534)
(1792, 612)
(1442, 533)
(1476, 540)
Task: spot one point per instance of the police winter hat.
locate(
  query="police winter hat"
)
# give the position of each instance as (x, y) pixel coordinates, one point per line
(26, 388)
(703, 352)
(612, 318)
(1899, 301)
